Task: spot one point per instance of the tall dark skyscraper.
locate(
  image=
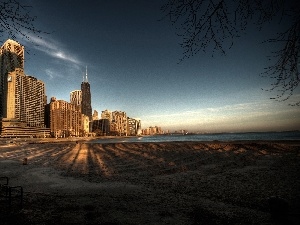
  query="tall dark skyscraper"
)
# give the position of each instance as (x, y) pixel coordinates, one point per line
(86, 106)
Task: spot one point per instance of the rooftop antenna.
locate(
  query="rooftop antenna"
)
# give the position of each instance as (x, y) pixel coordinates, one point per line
(86, 78)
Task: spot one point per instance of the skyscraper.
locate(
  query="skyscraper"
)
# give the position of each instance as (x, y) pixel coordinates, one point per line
(25, 99)
(11, 58)
(22, 97)
(65, 119)
(86, 107)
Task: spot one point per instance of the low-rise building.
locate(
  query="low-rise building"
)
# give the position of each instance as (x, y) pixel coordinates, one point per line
(15, 128)
(106, 114)
(95, 115)
(101, 127)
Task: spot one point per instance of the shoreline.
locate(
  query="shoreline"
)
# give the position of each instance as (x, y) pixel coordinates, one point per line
(56, 140)
(284, 136)
(94, 140)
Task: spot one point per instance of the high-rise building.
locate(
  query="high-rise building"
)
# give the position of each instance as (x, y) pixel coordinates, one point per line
(25, 99)
(86, 106)
(76, 97)
(22, 97)
(133, 126)
(65, 119)
(11, 58)
(119, 123)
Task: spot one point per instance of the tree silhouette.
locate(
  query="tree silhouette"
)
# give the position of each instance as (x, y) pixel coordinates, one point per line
(16, 22)
(213, 25)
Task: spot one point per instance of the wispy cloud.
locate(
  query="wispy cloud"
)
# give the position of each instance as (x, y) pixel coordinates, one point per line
(244, 113)
(211, 110)
(52, 74)
(53, 48)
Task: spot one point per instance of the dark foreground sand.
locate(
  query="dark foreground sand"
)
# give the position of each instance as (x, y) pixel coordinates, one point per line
(152, 183)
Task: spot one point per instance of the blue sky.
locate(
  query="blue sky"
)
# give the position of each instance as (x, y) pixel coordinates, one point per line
(132, 61)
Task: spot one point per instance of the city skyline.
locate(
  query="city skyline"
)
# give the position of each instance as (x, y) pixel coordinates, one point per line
(133, 67)
(26, 113)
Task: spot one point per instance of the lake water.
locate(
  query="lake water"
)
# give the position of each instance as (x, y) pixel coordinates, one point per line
(292, 135)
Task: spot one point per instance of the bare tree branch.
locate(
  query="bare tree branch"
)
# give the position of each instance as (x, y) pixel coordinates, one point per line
(215, 24)
(16, 21)
(285, 71)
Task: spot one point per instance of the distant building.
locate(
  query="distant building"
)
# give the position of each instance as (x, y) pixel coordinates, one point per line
(118, 124)
(106, 114)
(158, 130)
(146, 131)
(101, 127)
(139, 127)
(86, 106)
(76, 97)
(65, 119)
(95, 115)
(152, 131)
(133, 126)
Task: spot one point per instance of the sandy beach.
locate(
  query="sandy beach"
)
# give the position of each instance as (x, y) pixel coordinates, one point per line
(152, 183)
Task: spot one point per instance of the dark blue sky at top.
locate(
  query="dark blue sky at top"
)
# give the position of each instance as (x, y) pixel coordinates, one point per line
(132, 61)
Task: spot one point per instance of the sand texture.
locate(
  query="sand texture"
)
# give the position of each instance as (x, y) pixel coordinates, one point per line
(153, 183)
